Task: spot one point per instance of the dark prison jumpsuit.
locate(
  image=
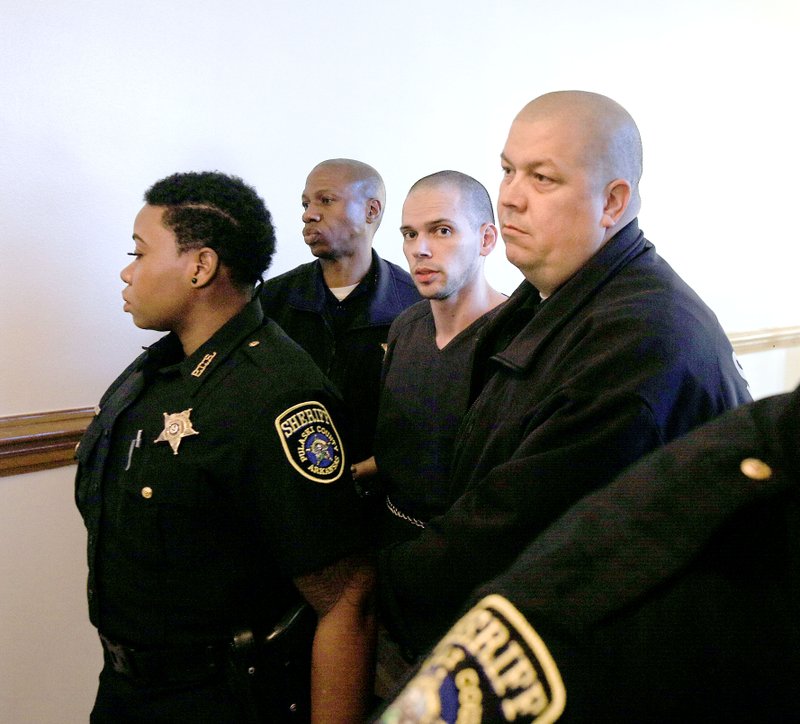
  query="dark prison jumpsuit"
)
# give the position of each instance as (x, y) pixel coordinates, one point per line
(424, 395)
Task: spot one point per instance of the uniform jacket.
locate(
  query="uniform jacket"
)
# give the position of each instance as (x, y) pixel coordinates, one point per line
(669, 595)
(297, 300)
(621, 359)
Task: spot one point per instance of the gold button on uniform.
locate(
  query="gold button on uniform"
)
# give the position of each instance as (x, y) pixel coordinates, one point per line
(147, 492)
(755, 469)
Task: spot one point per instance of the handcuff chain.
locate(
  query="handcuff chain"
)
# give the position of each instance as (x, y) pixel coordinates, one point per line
(400, 514)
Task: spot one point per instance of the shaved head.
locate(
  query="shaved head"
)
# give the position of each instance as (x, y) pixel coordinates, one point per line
(473, 196)
(605, 134)
(571, 168)
(359, 176)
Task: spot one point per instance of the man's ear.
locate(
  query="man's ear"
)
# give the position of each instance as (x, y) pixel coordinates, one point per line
(489, 236)
(618, 196)
(205, 266)
(374, 209)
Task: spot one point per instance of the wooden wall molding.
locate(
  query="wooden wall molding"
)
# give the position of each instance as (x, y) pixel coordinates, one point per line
(41, 441)
(763, 340)
(46, 440)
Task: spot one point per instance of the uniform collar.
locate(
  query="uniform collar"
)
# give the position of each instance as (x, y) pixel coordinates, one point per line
(364, 287)
(200, 365)
(385, 303)
(382, 305)
(560, 307)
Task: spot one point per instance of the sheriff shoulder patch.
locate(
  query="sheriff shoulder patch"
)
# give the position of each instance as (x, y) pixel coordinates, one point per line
(310, 441)
(491, 666)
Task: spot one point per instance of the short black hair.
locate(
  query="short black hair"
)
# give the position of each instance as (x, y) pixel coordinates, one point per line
(474, 197)
(221, 212)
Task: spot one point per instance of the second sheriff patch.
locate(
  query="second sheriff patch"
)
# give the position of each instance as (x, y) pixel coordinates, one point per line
(311, 442)
(491, 667)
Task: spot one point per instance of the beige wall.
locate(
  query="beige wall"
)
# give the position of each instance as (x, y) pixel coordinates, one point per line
(773, 371)
(49, 653)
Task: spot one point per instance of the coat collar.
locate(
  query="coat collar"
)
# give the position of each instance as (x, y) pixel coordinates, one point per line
(549, 316)
(383, 303)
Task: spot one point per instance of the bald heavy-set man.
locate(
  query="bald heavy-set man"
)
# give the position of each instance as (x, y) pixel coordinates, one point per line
(340, 306)
(602, 354)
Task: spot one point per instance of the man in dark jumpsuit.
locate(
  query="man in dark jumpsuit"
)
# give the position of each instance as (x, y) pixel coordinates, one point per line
(339, 308)
(448, 231)
(214, 486)
(602, 354)
(669, 595)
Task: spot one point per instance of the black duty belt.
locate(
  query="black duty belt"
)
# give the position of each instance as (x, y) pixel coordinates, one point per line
(165, 666)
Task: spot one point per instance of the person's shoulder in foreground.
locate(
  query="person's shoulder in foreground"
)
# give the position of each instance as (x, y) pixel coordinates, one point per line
(668, 595)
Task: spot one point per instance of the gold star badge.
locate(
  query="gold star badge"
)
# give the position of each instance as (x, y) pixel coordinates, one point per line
(176, 426)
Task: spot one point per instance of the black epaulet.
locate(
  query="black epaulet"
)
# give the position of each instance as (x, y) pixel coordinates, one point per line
(270, 349)
(257, 348)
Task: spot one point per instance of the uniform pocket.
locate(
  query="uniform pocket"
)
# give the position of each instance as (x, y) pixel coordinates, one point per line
(188, 510)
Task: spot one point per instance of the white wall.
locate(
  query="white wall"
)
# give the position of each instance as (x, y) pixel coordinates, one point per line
(98, 99)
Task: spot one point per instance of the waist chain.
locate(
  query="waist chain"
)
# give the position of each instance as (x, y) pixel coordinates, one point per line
(394, 510)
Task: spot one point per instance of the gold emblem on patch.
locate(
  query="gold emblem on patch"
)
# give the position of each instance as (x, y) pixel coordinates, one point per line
(310, 441)
(176, 427)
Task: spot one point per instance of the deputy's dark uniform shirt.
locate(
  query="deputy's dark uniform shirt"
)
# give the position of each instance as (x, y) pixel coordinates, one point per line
(346, 339)
(669, 595)
(208, 483)
(619, 360)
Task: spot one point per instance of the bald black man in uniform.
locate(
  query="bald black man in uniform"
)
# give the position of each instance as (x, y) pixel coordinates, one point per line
(339, 307)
